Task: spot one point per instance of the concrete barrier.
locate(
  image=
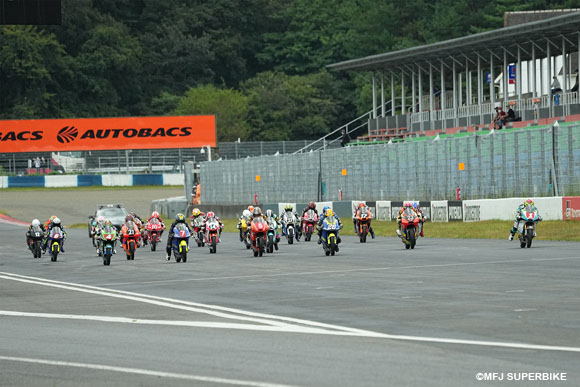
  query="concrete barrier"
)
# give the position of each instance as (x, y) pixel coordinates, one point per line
(57, 181)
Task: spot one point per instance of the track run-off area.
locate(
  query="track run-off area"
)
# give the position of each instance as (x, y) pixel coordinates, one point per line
(373, 315)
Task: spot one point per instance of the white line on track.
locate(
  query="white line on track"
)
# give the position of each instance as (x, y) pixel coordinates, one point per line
(137, 371)
(342, 271)
(336, 330)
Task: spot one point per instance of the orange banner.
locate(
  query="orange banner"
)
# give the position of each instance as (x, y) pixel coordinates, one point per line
(78, 134)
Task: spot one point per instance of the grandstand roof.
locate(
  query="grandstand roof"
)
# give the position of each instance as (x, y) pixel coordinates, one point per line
(524, 35)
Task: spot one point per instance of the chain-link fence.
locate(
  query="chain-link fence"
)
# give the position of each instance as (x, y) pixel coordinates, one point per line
(527, 162)
(138, 160)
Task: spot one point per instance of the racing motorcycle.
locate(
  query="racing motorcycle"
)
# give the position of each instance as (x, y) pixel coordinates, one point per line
(108, 240)
(309, 220)
(154, 231)
(35, 246)
(289, 224)
(55, 239)
(196, 226)
(410, 225)
(245, 234)
(528, 220)
(259, 229)
(180, 242)
(212, 238)
(272, 236)
(330, 228)
(129, 240)
(363, 219)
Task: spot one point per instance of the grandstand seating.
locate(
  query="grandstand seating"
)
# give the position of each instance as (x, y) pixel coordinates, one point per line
(381, 136)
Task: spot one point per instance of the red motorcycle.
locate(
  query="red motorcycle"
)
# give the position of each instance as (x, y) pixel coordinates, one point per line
(410, 225)
(212, 229)
(309, 221)
(154, 231)
(363, 221)
(258, 235)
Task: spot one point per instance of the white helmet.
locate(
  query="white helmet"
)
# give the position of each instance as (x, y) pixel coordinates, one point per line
(36, 222)
(56, 221)
(246, 213)
(101, 219)
(268, 213)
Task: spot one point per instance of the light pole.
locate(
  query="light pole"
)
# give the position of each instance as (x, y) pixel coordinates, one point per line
(202, 151)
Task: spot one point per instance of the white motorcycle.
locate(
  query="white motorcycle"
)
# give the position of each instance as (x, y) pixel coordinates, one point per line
(289, 223)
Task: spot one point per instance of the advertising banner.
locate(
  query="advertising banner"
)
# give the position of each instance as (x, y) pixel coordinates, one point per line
(83, 134)
(571, 208)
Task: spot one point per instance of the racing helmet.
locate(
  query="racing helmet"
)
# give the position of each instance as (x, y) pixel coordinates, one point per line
(180, 218)
(251, 209)
(257, 211)
(312, 205)
(56, 221)
(100, 219)
(51, 218)
(529, 202)
(329, 213)
(195, 212)
(288, 207)
(210, 214)
(128, 218)
(246, 214)
(416, 205)
(155, 214)
(361, 205)
(269, 213)
(133, 214)
(407, 204)
(36, 222)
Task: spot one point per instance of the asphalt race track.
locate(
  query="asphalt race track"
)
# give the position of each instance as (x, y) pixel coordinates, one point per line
(374, 315)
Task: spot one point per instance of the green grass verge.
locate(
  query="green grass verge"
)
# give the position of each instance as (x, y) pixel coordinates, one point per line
(554, 230)
(93, 188)
(490, 229)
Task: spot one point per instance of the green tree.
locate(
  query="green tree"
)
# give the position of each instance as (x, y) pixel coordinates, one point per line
(30, 62)
(229, 106)
(286, 107)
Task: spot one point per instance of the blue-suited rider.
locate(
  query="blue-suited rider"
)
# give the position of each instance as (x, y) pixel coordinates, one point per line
(328, 215)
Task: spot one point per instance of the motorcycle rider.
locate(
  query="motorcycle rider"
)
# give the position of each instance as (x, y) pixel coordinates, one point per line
(246, 214)
(310, 206)
(270, 216)
(130, 224)
(362, 208)
(53, 222)
(401, 211)
(527, 202)
(154, 215)
(196, 214)
(212, 215)
(422, 217)
(109, 224)
(328, 213)
(290, 208)
(29, 236)
(179, 218)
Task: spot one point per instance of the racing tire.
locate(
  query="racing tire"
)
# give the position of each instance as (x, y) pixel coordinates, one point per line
(153, 245)
(407, 246)
(37, 249)
(260, 247)
(184, 257)
(529, 239)
(523, 245)
(106, 259)
(213, 247)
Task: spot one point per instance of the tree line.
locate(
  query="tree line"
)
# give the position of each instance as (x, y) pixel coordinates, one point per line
(258, 65)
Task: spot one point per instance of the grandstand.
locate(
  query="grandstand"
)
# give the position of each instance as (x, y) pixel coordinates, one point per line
(451, 88)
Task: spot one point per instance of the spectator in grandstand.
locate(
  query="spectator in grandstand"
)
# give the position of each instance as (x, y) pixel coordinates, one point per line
(345, 138)
(499, 118)
(556, 85)
(511, 116)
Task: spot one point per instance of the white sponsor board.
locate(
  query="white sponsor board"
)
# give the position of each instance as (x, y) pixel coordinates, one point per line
(117, 180)
(60, 181)
(383, 211)
(439, 211)
(3, 181)
(505, 209)
(173, 179)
